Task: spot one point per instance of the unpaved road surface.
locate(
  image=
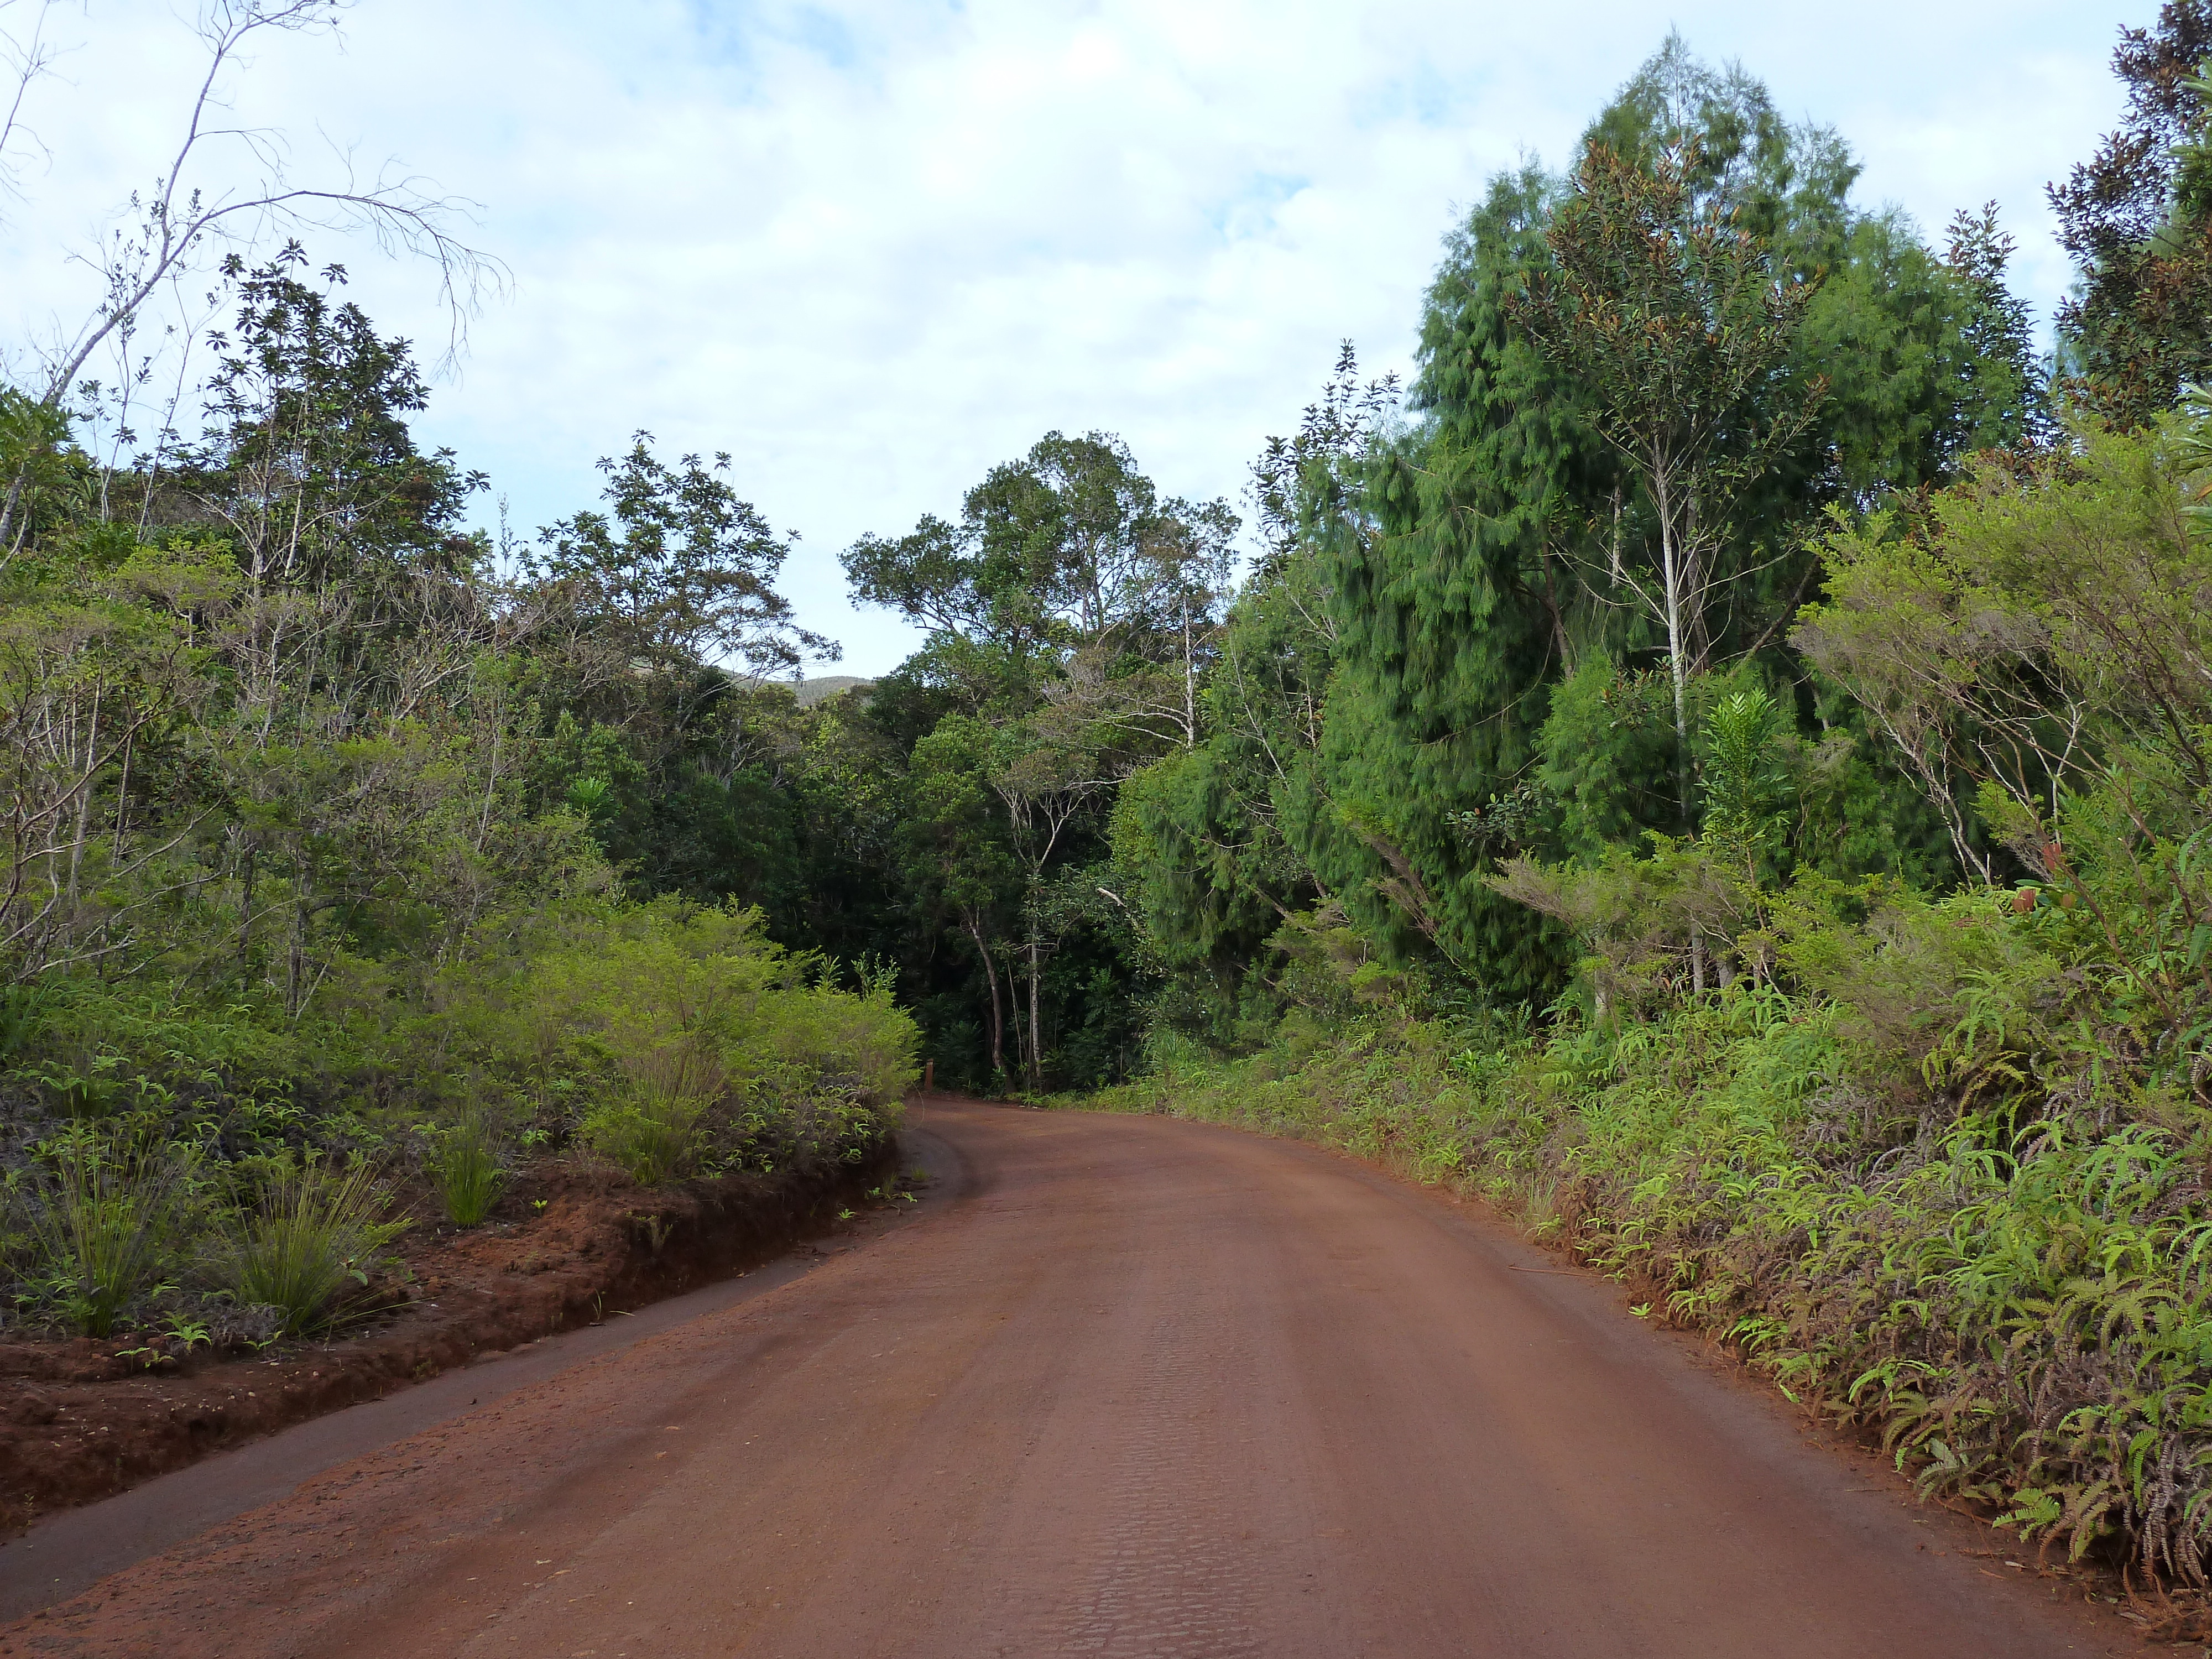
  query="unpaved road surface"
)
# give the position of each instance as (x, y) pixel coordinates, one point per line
(1140, 1388)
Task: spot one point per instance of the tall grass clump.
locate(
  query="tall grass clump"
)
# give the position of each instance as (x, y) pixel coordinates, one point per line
(464, 1167)
(651, 1135)
(105, 1225)
(316, 1231)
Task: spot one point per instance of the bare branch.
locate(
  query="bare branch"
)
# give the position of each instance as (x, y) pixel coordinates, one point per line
(182, 223)
(182, 220)
(25, 61)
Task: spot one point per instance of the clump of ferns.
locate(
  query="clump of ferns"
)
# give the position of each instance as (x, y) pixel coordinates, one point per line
(2039, 1343)
(2019, 1307)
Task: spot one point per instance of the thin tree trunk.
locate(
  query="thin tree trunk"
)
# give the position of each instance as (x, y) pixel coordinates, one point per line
(998, 1020)
(491, 783)
(8, 507)
(84, 796)
(297, 953)
(1189, 683)
(1558, 619)
(123, 792)
(295, 967)
(246, 921)
(1037, 1043)
(1677, 664)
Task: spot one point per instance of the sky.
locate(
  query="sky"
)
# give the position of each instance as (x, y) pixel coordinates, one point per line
(872, 249)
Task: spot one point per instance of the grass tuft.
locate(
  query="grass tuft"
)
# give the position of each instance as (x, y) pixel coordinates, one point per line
(465, 1170)
(107, 1226)
(653, 1135)
(317, 1233)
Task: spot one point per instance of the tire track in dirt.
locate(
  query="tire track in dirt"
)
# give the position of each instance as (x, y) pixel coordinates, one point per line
(1169, 1582)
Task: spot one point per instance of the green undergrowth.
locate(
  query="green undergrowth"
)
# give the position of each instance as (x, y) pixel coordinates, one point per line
(2000, 1270)
(223, 1170)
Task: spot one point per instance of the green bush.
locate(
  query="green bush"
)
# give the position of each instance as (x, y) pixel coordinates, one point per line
(464, 1170)
(670, 1038)
(108, 1226)
(316, 1230)
(651, 1136)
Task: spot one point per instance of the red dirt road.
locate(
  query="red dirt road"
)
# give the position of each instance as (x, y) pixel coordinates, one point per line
(1142, 1388)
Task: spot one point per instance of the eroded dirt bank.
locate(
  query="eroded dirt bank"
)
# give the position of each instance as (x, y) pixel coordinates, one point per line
(568, 1245)
(1149, 1388)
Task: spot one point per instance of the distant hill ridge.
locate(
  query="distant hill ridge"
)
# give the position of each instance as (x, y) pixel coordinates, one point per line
(810, 692)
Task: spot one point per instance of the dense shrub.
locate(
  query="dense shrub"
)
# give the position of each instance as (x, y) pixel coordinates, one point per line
(171, 1155)
(673, 1038)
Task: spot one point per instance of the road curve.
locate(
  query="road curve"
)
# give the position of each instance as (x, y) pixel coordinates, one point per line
(1143, 1388)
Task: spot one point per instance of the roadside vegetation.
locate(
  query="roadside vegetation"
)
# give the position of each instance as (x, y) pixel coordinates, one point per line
(1762, 847)
(301, 901)
(1720, 763)
(313, 886)
(1937, 1162)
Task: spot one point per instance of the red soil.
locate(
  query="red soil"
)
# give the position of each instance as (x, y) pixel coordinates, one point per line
(569, 1244)
(1135, 1387)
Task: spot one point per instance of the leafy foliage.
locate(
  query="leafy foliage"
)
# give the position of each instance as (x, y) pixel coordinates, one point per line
(298, 787)
(676, 573)
(1545, 841)
(2138, 219)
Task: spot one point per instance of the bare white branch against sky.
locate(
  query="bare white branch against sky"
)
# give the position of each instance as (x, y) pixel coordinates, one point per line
(871, 249)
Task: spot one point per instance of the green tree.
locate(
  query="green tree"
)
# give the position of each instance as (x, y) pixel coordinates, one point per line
(1201, 854)
(677, 573)
(357, 576)
(1449, 606)
(308, 462)
(2007, 399)
(1074, 618)
(2138, 219)
(1505, 544)
(1068, 550)
(1049, 778)
(1673, 319)
(954, 849)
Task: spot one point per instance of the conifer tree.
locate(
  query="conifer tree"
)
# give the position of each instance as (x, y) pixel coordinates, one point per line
(2138, 219)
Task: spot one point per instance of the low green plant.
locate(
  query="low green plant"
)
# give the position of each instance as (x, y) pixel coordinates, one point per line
(316, 1230)
(17, 1245)
(701, 1046)
(464, 1170)
(108, 1226)
(650, 1135)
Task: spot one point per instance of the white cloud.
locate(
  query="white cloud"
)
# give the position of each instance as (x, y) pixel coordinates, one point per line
(871, 249)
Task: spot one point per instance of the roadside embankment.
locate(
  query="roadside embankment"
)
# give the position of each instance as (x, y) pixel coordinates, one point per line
(571, 1243)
